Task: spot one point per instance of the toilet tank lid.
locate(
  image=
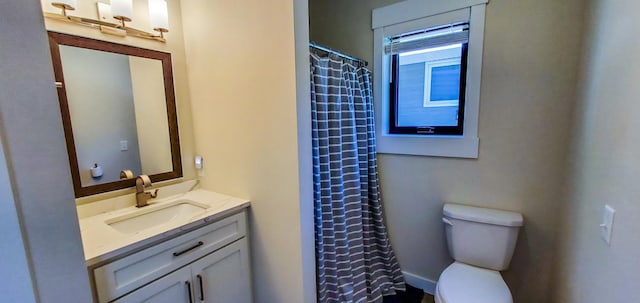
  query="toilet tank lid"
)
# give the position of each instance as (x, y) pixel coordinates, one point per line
(482, 215)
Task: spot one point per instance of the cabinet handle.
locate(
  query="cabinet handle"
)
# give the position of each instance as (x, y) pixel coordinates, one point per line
(201, 287)
(175, 254)
(189, 291)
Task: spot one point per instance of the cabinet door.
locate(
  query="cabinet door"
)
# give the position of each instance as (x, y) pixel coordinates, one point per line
(223, 276)
(175, 287)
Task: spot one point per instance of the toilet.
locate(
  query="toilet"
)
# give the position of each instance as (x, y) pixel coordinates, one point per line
(481, 241)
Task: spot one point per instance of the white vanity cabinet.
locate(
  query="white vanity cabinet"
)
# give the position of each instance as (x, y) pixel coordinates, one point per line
(172, 288)
(208, 264)
(221, 276)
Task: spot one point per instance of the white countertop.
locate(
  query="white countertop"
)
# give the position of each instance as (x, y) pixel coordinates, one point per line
(101, 242)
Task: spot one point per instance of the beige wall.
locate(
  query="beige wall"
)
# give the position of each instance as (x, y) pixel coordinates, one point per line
(174, 45)
(36, 166)
(605, 166)
(243, 85)
(527, 98)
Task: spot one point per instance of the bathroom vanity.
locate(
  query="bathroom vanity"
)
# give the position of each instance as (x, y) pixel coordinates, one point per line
(120, 121)
(188, 247)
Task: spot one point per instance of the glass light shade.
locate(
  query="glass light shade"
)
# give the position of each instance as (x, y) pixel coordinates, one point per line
(158, 15)
(122, 9)
(66, 4)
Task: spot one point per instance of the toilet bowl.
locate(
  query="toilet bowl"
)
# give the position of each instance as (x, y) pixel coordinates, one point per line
(481, 241)
(466, 283)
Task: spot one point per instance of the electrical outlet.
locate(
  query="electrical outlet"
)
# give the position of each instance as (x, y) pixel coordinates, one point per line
(124, 145)
(607, 223)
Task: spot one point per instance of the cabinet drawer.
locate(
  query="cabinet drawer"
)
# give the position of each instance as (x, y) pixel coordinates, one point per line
(125, 275)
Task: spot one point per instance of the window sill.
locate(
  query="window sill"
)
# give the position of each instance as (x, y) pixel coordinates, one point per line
(438, 146)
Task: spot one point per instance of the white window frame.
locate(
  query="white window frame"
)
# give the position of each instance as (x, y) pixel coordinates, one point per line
(412, 15)
(428, 69)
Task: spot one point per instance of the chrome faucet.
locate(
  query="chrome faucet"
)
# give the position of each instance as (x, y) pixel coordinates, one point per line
(142, 197)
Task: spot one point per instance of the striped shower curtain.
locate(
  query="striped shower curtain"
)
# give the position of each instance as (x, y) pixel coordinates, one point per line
(355, 262)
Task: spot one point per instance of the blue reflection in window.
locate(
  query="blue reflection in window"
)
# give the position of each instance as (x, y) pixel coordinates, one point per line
(445, 83)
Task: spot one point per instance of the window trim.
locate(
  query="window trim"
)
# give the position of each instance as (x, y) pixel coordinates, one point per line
(393, 20)
(429, 130)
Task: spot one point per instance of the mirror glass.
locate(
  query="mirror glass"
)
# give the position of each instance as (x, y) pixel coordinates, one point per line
(118, 108)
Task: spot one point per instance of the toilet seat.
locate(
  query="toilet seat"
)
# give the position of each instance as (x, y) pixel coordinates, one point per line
(462, 283)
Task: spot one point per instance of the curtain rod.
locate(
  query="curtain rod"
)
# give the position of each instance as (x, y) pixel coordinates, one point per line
(341, 54)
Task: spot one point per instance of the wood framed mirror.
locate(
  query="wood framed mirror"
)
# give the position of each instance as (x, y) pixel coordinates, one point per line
(118, 112)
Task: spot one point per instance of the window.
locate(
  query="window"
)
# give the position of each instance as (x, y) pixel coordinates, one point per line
(427, 69)
(428, 76)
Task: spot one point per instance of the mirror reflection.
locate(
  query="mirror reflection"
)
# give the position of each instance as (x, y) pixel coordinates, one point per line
(118, 114)
(118, 111)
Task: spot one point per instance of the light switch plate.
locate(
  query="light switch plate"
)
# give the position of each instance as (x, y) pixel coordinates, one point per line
(124, 145)
(607, 223)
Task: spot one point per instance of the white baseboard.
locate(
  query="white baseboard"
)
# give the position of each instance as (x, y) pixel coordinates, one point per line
(428, 285)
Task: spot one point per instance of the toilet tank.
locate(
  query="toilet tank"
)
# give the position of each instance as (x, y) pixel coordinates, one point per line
(480, 236)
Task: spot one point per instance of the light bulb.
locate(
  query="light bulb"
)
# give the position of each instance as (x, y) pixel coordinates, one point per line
(122, 10)
(158, 15)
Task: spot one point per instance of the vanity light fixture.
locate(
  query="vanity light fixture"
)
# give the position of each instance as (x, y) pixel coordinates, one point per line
(120, 10)
(64, 5)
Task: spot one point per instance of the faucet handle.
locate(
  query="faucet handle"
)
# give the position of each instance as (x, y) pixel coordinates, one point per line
(154, 194)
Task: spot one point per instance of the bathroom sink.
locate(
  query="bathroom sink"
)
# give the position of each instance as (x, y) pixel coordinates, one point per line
(155, 215)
